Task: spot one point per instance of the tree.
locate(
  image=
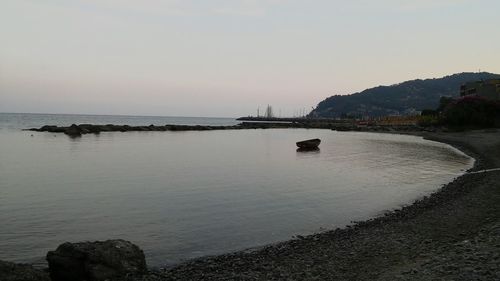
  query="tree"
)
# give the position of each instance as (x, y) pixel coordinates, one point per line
(472, 112)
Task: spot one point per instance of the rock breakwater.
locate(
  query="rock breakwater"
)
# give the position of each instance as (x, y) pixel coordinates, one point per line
(78, 130)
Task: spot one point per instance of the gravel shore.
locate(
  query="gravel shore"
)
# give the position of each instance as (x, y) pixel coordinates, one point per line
(453, 234)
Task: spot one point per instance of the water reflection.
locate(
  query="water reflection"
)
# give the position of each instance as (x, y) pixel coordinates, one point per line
(75, 137)
(311, 150)
(239, 189)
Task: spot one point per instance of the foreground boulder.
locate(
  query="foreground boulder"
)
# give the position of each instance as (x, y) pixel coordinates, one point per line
(21, 272)
(96, 261)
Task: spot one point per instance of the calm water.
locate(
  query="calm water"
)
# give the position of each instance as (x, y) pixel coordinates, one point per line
(181, 195)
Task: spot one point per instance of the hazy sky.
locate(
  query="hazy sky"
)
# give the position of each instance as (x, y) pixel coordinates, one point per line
(228, 57)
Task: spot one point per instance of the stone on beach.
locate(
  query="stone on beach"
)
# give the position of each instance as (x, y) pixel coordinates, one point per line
(21, 272)
(96, 261)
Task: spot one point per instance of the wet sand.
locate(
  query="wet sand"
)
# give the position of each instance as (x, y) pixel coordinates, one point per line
(453, 234)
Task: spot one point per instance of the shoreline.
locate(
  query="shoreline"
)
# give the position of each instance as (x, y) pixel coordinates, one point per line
(433, 237)
(421, 241)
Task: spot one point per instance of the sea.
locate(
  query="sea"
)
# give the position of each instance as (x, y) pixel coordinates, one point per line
(183, 195)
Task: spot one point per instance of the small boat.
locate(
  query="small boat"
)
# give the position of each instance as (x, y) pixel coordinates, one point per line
(309, 144)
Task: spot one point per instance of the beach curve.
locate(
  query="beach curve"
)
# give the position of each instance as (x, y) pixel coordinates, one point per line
(452, 234)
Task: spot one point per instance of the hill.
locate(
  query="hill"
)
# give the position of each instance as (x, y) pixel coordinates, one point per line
(399, 99)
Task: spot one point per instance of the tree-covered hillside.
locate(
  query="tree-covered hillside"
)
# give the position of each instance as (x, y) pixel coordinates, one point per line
(403, 98)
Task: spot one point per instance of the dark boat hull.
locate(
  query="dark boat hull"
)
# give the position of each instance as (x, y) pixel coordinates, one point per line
(309, 144)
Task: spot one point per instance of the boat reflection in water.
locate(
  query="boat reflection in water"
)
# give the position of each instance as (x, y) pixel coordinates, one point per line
(308, 150)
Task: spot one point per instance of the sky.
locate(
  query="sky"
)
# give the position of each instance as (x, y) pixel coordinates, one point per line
(227, 58)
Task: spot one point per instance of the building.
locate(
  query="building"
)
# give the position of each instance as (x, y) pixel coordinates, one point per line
(488, 89)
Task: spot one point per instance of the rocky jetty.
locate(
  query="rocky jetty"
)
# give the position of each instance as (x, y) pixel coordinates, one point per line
(96, 261)
(78, 130)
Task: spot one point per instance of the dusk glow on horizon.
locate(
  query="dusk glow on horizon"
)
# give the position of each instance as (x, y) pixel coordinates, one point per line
(227, 58)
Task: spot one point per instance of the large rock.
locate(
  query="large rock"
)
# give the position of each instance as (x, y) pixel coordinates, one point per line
(73, 131)
(96, 261)
(21, 272)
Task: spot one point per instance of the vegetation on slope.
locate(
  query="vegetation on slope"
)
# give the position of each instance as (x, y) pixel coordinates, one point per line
(399, 99)
(471, 112)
